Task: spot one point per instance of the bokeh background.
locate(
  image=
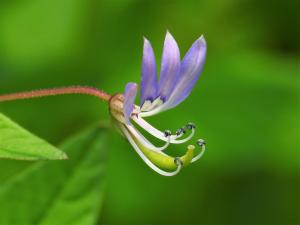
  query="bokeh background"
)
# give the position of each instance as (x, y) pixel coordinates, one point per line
(246, 104)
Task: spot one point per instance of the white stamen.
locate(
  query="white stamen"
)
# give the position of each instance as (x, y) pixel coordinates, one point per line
(158, 134)
(146, 160)
(145, 142)
(146, 106)
(156, 103)
(200, 154)
(150, 106)
(158, 109)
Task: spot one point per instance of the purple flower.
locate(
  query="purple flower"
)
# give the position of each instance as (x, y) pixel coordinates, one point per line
(177, 79)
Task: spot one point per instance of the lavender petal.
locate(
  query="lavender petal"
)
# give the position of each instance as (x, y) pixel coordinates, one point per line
(129, 97)
(191, 67)
(170, 67)
(149, 84)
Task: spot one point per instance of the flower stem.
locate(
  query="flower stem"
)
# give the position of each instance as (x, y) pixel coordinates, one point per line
(56, 91)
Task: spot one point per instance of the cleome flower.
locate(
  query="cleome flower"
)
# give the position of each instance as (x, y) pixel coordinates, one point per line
(177, 79)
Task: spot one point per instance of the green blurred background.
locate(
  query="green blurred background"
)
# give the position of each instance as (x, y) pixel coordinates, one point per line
(246, 104)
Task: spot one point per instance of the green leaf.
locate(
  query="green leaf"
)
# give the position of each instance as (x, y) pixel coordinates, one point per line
(57, 192)
(17, 143)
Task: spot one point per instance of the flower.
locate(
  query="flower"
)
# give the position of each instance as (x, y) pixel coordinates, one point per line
(177, 79)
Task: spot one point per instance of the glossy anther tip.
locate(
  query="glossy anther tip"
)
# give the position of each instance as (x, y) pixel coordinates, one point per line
(167, 133)
(180, 131)
(178, 161)
(201, 142)
(190, 126)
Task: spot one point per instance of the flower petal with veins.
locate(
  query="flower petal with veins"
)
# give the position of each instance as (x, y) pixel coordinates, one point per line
(149, 75)
(190, 70)
(170, 67)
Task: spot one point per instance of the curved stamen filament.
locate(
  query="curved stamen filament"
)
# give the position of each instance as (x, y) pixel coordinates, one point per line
(146, 160)
(160, 135)
(185, 139)
(145, 142)
(197, 157)
(152, 112)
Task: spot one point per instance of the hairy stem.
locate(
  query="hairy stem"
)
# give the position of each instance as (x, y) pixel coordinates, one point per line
(56, 91)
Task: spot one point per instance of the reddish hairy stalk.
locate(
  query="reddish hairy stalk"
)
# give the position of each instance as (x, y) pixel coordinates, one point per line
(56, 91)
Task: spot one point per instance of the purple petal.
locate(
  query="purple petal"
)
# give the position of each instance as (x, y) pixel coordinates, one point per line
(129, 97)
(149, 75)
(170, 67)
(190, 70)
